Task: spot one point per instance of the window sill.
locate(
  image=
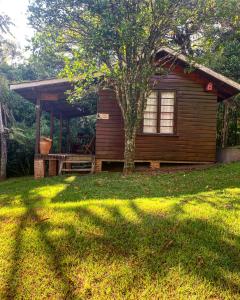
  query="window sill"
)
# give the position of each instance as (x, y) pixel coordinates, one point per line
(159, 134)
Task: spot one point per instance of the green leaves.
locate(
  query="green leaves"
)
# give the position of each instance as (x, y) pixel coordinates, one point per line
(7, 47)
(105, 39)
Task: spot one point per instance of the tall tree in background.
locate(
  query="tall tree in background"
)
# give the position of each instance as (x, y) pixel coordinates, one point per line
(3, 144)
(7, 120)
(215, 42)
(4, 28)
(224, 41)
(113, 43)
(46, 58)
(8, 49)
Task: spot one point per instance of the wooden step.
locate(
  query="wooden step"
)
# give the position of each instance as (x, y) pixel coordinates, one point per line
(79, 158)
(77, 162)
(76, 170)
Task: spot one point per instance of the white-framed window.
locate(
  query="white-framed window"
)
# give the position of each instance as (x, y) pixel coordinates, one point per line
(159, 115)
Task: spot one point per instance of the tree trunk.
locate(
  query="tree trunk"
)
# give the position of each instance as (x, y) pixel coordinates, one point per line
(3, 164)
(129, 150)
(3, 149)
(131, 103)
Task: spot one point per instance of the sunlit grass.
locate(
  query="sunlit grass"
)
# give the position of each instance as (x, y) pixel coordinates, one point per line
(169, 236)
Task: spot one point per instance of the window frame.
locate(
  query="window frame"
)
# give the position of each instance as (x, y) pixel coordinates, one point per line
(159, 91)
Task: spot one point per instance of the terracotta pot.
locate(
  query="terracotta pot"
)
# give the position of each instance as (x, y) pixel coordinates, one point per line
(45, 145)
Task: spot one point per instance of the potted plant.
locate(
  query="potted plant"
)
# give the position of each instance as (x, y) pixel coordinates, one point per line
(45, 145)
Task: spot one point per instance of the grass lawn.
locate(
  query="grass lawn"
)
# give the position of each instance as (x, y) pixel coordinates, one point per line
(169, 236)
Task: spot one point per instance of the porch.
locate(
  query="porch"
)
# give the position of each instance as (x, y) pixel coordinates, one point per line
(50, 96)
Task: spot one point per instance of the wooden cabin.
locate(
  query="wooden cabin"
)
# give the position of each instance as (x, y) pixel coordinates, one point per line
(179, 123)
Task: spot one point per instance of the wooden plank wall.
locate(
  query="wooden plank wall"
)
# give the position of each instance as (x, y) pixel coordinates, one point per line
(195, 139)
(109, 133)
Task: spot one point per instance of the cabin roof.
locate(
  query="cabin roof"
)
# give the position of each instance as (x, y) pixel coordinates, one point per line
(225, 86)
(53, 91)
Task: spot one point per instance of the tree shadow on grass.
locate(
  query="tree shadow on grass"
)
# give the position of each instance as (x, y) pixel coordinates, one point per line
(155, 243)
(32, 218)
(116, 186)
(159, 243)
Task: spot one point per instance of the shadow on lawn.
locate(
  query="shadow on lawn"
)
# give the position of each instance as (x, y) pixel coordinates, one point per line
(144, 186)
(115, 186)
(32, 218)
(155, 244)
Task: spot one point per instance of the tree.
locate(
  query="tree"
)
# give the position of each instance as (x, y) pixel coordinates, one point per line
(224, 41)
(3, 150)
(113, 43)
(4, 28)
(8, 128)
(7, 48)
(7, 121)
(46, 59)
(215, 23)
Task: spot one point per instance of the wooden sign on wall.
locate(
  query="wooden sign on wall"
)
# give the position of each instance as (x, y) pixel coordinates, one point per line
(102, 116)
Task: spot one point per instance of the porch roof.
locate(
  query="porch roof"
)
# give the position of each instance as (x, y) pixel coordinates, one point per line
(52, 94)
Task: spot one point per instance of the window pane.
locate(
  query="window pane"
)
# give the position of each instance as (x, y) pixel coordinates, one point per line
(167, 101)
(166, 123)
(150, 122)
(167, 98)
(154, 94)
(148, 129)
(167, 116)
(167, 108)
(167, 112)
(151, 108)
(167, 95)
(150, 115)
(166, 129)
(152, 101)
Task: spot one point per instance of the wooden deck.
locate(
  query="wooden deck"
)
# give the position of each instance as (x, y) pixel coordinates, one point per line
(59, 163)
(65, 156)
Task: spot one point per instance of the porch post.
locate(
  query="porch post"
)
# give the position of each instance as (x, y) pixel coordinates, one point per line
(38, 120)
(51, 125)
(60, 133)
(51, 129)
(68, 135)
(39, 163)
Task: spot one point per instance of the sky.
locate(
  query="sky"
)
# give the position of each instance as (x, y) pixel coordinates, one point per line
(17, 11)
